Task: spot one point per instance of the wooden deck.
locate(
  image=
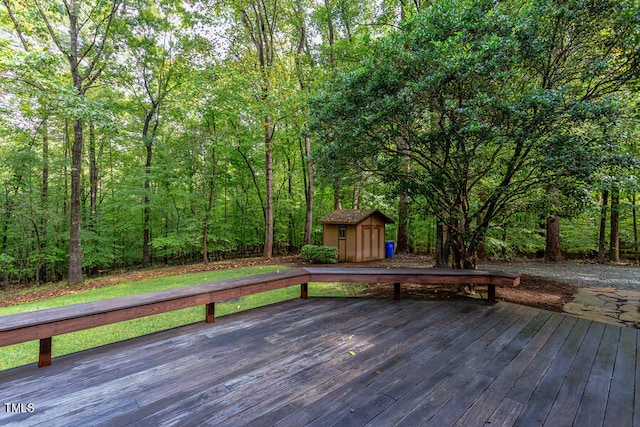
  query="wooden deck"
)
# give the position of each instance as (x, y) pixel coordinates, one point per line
(349, 361)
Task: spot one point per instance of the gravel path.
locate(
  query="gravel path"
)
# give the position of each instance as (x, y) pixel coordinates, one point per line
(623, 277)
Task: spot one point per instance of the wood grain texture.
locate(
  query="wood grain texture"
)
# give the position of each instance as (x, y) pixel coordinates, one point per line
(44, 324)
(346, 361)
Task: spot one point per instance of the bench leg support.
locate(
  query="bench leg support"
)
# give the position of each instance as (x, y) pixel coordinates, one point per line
(491, 290)
(45, 352)
(211, 312)
(396, 291)
(304, 290)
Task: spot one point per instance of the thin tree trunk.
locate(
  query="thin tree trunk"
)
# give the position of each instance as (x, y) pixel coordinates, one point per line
(552, 251)
(482, 246)
(614, 237)
(291, 226)
(75, 249)
(268, 220)
(634, 211)
(67, 147)
(603, 227)
(337, 203)
(309, 193)
(260, 24)
(8, 208)
(443, 246)
(332, 37)
(356, 195)
(402, 244)
(207, 218)
(93, 177)
(146, 210)
(308, 173)
(44, 189)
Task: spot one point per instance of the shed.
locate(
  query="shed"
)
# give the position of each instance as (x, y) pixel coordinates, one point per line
(358, 234)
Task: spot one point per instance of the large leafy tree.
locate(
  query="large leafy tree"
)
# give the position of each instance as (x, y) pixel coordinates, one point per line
(156, 49)
(478, 95)
(80, 31)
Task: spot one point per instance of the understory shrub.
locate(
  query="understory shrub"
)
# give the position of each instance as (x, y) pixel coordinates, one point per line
(319, 254)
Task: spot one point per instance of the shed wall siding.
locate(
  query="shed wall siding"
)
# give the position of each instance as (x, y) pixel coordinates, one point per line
(364, 241)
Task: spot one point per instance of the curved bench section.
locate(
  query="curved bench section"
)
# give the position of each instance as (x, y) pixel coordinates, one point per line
(44, 324)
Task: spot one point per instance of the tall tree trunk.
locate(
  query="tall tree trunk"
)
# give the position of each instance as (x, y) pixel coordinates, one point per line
(146, 209)
(332, 37)
(67, 149)
(268, 219)
(356, 195)
(75, 249)
(614, 237)
(482, 246)
(337, 204)
(402, 244)
(308, 173)
(8, 209)
(309, 193)
(91, 56)
(44, 188)
(634, 211)
(260, 24)
(207, 217)
(291, 226)
(443, 245)
(603, 227)
(93, 177)
(146, 212)
(552, 251)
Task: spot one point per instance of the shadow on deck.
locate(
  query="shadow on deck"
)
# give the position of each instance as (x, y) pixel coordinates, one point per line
(349, 361)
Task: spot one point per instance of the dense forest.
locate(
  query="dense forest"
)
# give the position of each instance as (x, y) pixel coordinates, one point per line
(144, 132)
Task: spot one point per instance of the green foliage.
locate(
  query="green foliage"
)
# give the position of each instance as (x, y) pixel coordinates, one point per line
(474, 108)
(319, 254)
(467, 94)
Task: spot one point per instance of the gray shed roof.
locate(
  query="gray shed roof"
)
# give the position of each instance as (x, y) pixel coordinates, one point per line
(352, 216)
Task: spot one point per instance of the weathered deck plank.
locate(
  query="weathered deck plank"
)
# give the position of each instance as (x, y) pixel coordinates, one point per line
(455, 362)
(620, 409)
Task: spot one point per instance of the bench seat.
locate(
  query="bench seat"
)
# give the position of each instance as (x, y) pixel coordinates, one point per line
(44, 324)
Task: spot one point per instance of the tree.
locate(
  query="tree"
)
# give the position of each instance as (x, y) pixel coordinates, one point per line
(156, 47)
(81, 32)
(470, 88)
(260, 20)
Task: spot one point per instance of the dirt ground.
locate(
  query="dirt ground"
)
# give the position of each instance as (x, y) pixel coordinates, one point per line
(535, 291)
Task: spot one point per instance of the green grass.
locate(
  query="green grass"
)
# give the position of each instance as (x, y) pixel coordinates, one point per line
(25, 353)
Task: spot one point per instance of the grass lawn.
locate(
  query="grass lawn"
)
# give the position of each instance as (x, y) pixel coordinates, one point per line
(25, 353)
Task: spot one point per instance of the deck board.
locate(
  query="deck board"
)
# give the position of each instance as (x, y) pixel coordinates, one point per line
(348, 361)
(620, 409)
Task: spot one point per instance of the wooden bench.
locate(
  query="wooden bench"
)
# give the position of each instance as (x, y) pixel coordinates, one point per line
(42, 325)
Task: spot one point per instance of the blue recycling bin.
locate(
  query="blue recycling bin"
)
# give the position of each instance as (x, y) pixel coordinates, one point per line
(390, 249)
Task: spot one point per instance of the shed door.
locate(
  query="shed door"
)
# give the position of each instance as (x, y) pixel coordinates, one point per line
(370, 242)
